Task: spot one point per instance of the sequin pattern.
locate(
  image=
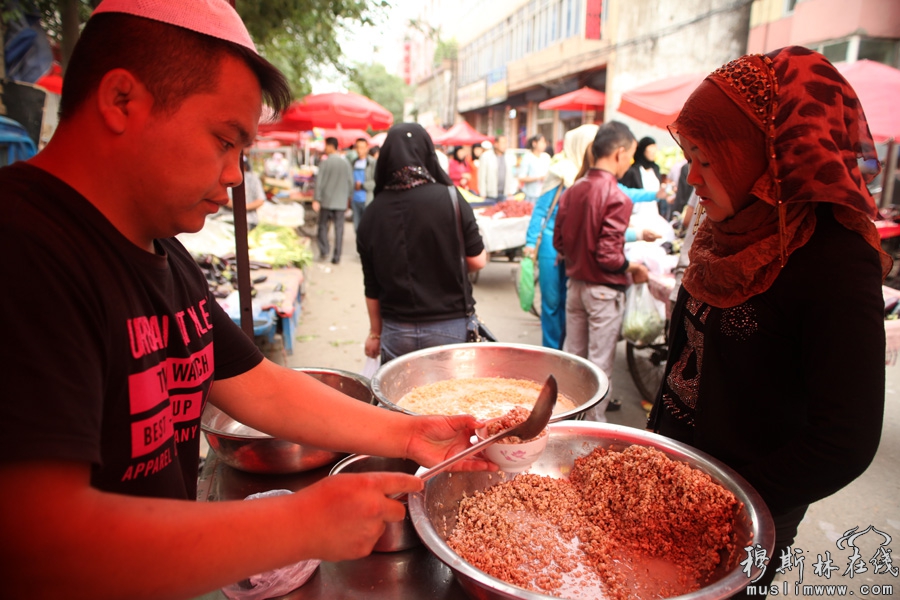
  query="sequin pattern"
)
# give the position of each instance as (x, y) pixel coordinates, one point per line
(408, 178)
(739, 322)
(684, 378)
(755, 84)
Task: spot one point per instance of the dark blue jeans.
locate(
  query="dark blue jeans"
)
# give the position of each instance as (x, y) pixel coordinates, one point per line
(358, 208)
(399, 338)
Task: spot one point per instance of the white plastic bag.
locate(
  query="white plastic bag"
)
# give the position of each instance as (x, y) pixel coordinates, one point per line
(371, 366)
(642, 322)
(276, 582)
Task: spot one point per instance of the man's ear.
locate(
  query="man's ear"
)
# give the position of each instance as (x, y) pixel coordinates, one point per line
(120, 97)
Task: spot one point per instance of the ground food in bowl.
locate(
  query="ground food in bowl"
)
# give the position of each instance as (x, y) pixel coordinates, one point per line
(629, 524)
(483, 397)
(514, 417)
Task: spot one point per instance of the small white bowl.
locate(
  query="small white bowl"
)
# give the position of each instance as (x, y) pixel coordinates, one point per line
(513, 458)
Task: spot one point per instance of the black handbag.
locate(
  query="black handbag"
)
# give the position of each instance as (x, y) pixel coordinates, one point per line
(477, 331)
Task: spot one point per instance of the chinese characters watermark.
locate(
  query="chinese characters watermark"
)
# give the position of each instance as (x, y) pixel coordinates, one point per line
(793, 560)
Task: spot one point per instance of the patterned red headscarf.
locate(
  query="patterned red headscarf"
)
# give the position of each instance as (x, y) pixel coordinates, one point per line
(787, 129)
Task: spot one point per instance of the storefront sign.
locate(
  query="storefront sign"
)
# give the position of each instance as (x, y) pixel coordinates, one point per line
(497, 86)
(471, 96)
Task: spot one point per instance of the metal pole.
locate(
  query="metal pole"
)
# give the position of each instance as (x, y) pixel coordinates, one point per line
(889, 176)
(241, 250)
(242, 254)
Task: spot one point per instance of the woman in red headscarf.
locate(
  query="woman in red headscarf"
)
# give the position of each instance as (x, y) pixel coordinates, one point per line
(776, 363)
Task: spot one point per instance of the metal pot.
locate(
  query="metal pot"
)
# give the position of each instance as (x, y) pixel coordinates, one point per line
(434, 511)
(247, 449)
(400, 535)
(578, 379)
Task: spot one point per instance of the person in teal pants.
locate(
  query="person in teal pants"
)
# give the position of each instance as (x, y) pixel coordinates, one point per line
(552, 280)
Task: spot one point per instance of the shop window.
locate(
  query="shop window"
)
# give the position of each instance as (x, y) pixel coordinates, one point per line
(883, 51)
(836, 52)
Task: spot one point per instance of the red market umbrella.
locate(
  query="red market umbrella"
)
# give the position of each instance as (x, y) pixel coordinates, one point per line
(345, 137)
(378, 139)
(878, 87)
(338, 109)
(288, 137)
(582, 100)
(658, 103)
(461, 134)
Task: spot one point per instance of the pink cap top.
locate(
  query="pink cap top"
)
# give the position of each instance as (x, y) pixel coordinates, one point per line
(215, 18)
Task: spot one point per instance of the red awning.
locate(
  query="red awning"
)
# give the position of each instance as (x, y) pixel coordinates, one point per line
(878, 88)
(876, 84)
(659, 103)
(461, 134)
(435, 131)
(582, 100)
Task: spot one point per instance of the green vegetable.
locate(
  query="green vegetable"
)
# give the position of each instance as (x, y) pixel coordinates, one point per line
(279, 246)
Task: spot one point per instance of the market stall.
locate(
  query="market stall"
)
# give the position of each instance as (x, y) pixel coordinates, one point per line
(277, 256)
(504, 225)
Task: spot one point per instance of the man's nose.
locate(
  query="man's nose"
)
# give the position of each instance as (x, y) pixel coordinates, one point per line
(232, 175)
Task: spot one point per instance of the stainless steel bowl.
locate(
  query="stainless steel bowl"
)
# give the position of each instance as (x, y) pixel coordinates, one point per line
(434, 511)
(400, 535)
(247, 449)
(578, 379)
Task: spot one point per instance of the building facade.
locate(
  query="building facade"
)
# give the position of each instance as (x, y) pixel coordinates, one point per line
(522, 52)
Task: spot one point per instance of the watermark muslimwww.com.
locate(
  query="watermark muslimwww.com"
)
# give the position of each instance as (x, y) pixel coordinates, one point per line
(853, 564)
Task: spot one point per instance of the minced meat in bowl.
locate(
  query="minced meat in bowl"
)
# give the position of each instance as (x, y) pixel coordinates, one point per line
(696, 561)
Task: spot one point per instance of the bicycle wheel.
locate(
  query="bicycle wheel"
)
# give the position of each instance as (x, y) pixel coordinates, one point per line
(647, 365)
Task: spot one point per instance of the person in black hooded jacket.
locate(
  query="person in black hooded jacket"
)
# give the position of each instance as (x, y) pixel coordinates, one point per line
(409, 248)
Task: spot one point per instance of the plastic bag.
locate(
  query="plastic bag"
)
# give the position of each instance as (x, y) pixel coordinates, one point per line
(276, 582)
(371, 366)
(526, 283)
(642, 323)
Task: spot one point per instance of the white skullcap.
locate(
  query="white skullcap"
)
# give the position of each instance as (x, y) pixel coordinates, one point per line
(214, 18)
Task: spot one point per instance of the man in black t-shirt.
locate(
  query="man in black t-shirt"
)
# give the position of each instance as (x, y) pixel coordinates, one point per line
(113, 344)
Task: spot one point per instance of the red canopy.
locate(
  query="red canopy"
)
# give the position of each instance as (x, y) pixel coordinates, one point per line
(878, 88)
(337, 109)
(378, 139)
(461, 134)
(52, 81)
(435, 131)
(578, 100)
(345, 137)
(659, 103)
(876, 84)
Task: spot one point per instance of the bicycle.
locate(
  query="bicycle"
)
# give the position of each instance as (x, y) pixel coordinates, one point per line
(647, 365)
(647, 362)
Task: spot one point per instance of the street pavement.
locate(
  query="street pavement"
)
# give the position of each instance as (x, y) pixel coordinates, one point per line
(334, 324)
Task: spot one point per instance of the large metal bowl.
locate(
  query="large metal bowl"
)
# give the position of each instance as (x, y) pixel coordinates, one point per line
(578, 379)
(434, 511)
(247, 449)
